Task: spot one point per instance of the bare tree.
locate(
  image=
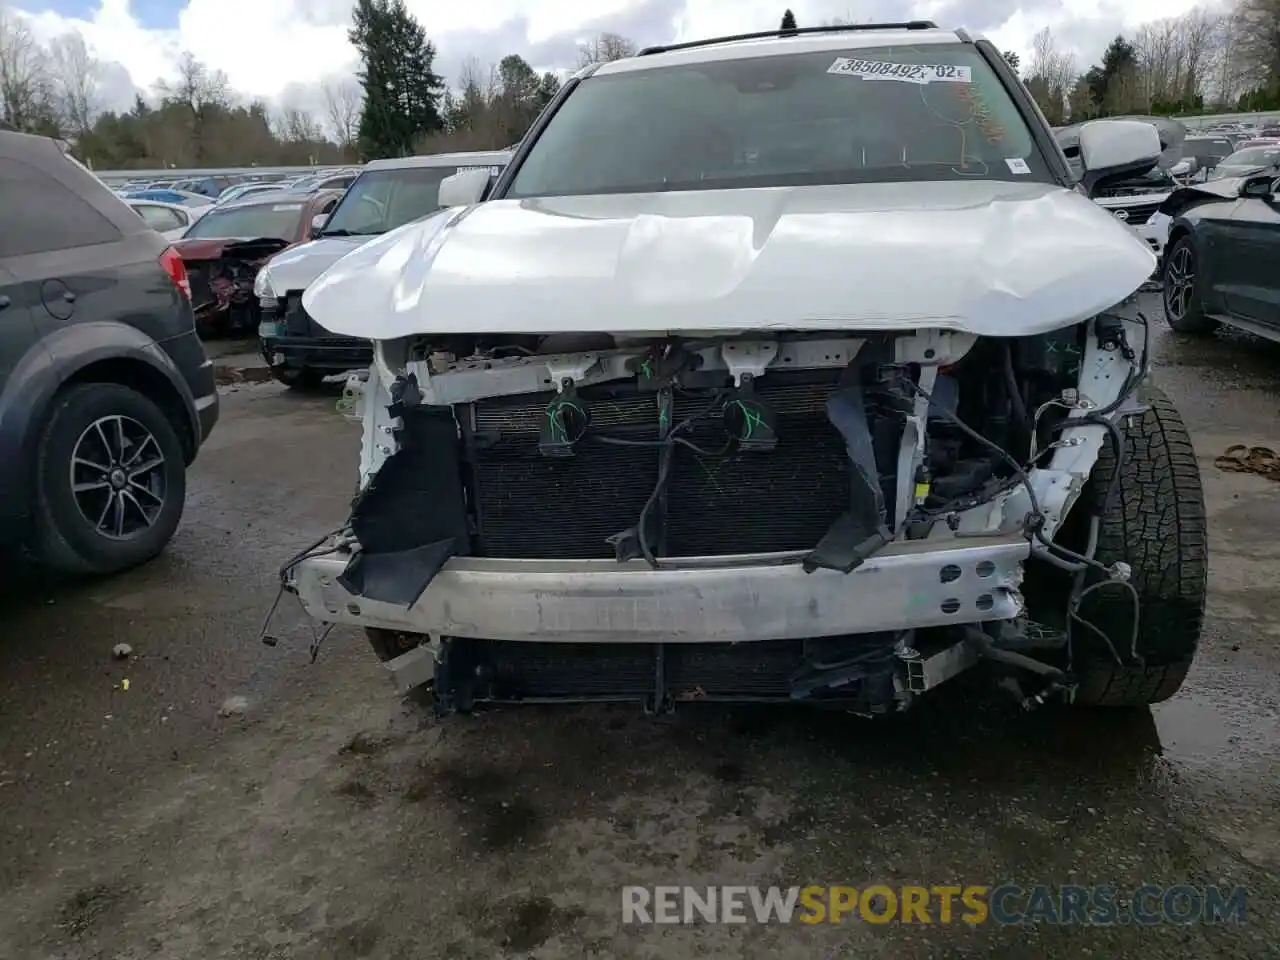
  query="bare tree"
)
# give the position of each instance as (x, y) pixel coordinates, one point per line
(25, 94)
(607, 46)
(1198, 29)
(293, 125)
(1175, 58)
(343, 101)
(202, 94)
(197, 87)
(1231, 71)
(76, 74)
(478, 87)
(1258, 39)
(1051, 75)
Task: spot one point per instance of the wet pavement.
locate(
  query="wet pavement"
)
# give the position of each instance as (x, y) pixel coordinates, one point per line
(238, 801)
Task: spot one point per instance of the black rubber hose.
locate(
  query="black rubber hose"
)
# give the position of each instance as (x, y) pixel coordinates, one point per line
(1011, 384)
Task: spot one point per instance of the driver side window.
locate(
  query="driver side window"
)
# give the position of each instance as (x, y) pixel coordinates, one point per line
(160, 218)
(370, 213)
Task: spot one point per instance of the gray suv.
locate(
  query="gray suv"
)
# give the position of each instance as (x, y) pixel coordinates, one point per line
(105, 391)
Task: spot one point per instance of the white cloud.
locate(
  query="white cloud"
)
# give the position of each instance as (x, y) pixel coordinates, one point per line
(274, 49)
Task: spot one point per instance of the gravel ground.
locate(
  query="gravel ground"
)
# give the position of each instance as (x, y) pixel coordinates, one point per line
(238, 801)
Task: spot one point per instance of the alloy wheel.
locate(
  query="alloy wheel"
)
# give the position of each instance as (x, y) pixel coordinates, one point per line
(118, 477)
(1179, 283)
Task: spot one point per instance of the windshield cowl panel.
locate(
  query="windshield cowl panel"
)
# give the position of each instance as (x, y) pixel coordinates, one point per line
(870, 115)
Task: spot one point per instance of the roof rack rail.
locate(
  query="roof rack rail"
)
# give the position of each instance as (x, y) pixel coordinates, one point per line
(798, 31)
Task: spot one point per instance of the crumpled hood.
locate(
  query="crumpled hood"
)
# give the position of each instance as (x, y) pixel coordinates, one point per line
(988, 257)
(296, 267)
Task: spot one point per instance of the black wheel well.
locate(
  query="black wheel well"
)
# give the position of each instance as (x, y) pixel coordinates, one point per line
(1176, 234)
(151, 383)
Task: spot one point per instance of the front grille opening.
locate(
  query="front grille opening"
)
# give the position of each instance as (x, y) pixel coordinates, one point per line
(528, 506)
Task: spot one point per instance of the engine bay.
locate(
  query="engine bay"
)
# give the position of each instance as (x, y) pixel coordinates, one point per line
(685, 448)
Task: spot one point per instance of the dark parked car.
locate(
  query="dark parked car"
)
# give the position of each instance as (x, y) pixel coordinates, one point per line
(1206, 153)
(226, 247)
(105, 391)
(1221, 260)
(1246, 161)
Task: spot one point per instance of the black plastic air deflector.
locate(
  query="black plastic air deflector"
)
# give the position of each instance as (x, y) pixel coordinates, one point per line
(413, 517)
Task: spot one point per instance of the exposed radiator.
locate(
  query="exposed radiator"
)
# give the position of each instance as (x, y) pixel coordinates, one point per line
(531, 506)
(855, 672)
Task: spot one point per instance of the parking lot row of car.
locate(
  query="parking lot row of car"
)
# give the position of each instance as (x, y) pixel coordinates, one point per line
(299, 228)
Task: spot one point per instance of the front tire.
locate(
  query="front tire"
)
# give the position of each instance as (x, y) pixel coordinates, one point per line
(1181, 290)
(389, 644)
(1156, 523)
(110, 480)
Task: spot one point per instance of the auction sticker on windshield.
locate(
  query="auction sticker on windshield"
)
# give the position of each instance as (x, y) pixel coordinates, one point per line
(902, 72)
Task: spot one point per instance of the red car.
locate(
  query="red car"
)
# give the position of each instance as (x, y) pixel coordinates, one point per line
(226, 247)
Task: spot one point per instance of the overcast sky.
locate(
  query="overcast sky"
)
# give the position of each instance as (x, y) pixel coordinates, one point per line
(281, 50)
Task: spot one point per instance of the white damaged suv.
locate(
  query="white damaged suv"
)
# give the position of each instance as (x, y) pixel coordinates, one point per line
(779, 367)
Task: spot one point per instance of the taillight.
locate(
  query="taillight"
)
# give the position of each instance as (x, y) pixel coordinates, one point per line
(172, 263)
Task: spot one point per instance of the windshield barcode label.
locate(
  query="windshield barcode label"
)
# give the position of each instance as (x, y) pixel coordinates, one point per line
(904, 72)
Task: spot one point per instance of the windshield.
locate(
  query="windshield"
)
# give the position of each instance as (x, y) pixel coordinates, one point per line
(1254, 157)
(279, 220)
(933, 112)
(381, 200)
(1214, 149)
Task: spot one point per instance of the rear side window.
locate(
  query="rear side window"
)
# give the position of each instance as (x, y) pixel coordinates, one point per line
(39, 214)
(159, 218)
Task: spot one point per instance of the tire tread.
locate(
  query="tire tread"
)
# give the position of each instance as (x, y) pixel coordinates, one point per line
(1158, 527)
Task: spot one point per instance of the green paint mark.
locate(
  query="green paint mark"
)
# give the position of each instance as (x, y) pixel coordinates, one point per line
(711, 480)
(750, 417)
(559, 432)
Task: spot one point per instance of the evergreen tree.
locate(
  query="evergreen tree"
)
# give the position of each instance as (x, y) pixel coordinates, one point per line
(1106, 82)
(402, 93)
(788, 20)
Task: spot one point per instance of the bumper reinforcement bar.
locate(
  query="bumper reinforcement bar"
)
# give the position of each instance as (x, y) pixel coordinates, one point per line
(913, 584)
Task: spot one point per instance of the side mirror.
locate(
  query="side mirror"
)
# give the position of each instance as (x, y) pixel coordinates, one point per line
(1258, 187)
(318, 222)
(1117, 148)
(465, 188)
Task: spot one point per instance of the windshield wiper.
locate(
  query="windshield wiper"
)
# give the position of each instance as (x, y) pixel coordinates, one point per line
(335, 233)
